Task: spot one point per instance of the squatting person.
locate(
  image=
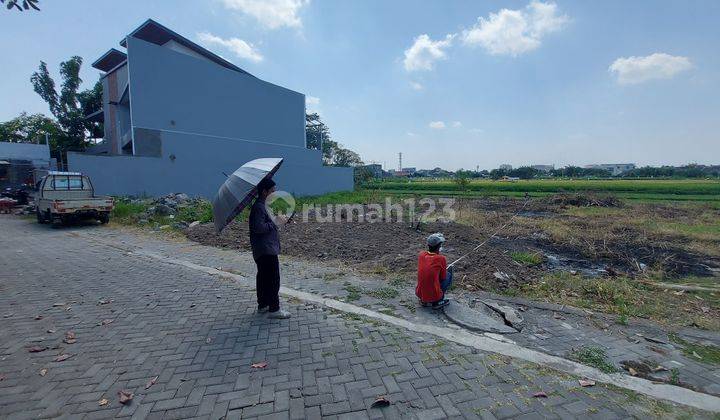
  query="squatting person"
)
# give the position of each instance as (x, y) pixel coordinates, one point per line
(434, 278)
(265, 244)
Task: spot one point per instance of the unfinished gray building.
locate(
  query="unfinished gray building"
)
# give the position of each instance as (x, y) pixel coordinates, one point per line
(176, 117)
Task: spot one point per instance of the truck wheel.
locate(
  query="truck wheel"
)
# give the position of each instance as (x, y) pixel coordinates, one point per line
(40, 217)
(104, 218)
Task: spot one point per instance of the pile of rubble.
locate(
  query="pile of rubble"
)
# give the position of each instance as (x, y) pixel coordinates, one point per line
(167, 206)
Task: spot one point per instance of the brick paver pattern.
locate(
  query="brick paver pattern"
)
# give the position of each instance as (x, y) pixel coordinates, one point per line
(135, 318)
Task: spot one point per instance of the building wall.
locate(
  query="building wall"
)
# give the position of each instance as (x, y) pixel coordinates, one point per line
(183, 166)
(176, 92)
(39, 153)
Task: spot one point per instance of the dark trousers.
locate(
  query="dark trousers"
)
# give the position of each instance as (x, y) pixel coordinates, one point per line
(267, 282)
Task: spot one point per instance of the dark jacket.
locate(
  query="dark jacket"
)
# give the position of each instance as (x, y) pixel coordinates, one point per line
(264, 238)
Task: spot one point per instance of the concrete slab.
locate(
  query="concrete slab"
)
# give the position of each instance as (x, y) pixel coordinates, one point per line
(481, 318)
(509, 313)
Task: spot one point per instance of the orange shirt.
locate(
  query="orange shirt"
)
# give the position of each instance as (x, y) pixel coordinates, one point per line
(431, 269)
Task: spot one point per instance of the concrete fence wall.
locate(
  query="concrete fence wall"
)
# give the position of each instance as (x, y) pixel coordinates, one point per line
(195, 166)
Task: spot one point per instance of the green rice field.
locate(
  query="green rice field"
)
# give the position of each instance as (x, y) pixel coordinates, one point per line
(681, 190)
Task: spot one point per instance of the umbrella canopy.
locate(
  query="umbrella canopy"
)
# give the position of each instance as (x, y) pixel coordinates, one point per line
(240, 188)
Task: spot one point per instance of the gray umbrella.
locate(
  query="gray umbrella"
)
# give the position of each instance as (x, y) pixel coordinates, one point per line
(240, 188)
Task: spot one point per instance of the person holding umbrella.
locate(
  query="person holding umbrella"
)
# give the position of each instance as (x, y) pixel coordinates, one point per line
(265, 244)
(254, 179)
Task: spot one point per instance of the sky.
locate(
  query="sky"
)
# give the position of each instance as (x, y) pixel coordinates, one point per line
(449, 83)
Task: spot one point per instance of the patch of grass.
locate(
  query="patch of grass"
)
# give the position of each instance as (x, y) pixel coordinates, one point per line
(595, 357)
(351, 317)
(398, 282)
(384, 293)
(201, 211)
(410, 306)
(707, 353)
(627, 298)
(389, 311)
(526, 258)
(124, 209)
(353, 292)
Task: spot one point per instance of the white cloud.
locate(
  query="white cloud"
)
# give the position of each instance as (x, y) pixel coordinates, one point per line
(633, 70)
(476, 130)
(272, 14)
(438, 125)
(416, 86)
(456, 124)
(312, 103)
(424, 52)
(514, 32)
(239, 47)
(410, 134)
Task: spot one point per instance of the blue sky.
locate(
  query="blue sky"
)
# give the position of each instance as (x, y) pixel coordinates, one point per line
(447, 83)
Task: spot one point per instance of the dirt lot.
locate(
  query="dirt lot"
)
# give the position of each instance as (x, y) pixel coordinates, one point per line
(548, 239)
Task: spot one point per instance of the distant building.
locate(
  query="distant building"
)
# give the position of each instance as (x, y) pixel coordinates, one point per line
(544, 168)
(409, 171)
(613, 168)
(23, 163)
(505, 167)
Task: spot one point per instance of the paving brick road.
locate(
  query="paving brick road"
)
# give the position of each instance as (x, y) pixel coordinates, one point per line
(136, 318)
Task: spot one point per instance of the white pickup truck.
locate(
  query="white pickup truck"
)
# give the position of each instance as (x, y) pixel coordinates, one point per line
(65, 196)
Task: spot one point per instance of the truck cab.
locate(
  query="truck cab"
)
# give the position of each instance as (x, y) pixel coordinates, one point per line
(65, 196)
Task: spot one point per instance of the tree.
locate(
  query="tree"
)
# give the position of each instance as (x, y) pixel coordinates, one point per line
(68, 106)
(30, 129)
(91, 101)
(333, 154)
(361, 174)
(26, 4)
(345, 157)
(462, 179)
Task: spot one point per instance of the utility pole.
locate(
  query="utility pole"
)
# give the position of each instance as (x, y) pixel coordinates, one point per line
(400, 162)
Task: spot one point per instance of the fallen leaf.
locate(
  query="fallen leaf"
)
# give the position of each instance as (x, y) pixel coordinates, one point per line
(660, 368)
(151, 382)
(705, 309)
(380, 402)
(125, 396)
(208, 340)
(103, 402)
(63, 357)
(192, 305)
(586, 383)
(632, 371)
(104, 301)
(58, 304)
(70, 338)
(697, 355)
(259, 365)
(2, 378)
(51, 331)
(37, 349)
(557, 316)
(7, 315)
(43, 372)
(38, 317)
(106, 321)
(540, 394)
